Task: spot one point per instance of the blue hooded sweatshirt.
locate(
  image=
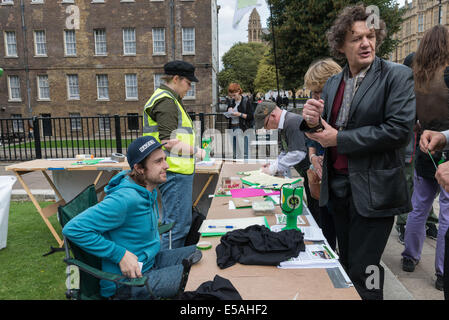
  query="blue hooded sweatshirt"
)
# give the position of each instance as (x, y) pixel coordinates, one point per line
(127, 219)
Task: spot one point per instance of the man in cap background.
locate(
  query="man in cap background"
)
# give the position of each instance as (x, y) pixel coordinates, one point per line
(122, 229)
(293, 147)
(166, 119)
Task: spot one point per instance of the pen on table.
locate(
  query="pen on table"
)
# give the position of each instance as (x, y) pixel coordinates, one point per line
(269, 186)
(227, 227)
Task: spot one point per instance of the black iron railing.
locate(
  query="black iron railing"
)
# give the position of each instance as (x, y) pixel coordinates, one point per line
(24, 139)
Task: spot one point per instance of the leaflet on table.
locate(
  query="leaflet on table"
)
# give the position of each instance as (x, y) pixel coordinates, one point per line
(310, 233)
(282, 219)
(315, 256)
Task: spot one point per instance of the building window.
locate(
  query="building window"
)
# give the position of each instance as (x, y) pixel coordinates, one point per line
(17, 123)
(97, 1)
(420, 22)
(75, 121)
(68, 1)
(188, 40)
(133, 121)
(37, 1)
(159, 41)
(158, 81)
(14, 88)
(7, 1)
(73, 90)
(129, 41)
(100, 42)
(191, 93)
(131, 86)
(40, 43)
(102, 87)
(43, 88)
(10, 44)
(69, 43)
(104, 122)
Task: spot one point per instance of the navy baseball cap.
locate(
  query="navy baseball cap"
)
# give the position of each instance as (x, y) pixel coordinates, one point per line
(140, 148)
(180, 68)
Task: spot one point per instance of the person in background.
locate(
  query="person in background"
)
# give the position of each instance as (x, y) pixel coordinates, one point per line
(410, 153)
(432, 109)
(314, 80)
(369, 111)
(293, 148)
(242, 115)
(166, 119)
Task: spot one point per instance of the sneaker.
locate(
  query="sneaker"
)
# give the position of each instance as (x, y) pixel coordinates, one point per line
(431, 231)
(408, 264)
(439, 283)
(401, 232)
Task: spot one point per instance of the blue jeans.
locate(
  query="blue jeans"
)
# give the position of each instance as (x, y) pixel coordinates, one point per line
(176, 207)
(164, 278)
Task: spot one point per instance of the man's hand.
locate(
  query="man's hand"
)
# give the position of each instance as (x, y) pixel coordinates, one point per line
(129, 266)
(312, 112)
(200, 154)
(442, 176)
(327, 137)
(317, 163)
(266, 168)
(432, 141)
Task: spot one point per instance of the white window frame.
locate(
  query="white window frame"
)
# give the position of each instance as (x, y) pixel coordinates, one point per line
(68, 1)
(75, 121)
(12, 98)
(8, 44)
(104, 122)
(102, 87)
(156, 42)
(157, 80)
(66, 43)
(7, 2)
(37, 1)
(185, 41)
(74, 85)
(37, 48)
(98, 41)
(17, 123)
(191, 94)
(43, 85)
(131, 85)
(97, 1)
(131, 42)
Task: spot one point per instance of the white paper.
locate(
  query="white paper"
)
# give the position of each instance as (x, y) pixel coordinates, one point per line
(315, 256)
(310, 233)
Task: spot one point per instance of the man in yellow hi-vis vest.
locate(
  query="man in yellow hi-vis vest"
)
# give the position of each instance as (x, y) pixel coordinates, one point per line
(166, 119)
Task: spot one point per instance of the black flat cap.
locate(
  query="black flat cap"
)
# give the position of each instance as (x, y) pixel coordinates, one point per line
(180, 68)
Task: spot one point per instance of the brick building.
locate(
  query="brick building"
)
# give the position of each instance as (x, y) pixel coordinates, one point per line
(102, 57)
(419, 16)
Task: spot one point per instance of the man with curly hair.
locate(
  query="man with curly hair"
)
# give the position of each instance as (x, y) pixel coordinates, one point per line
(368, 113)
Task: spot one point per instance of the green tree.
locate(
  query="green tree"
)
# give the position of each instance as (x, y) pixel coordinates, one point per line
(300, 32)
(266, 74)
(240, 65)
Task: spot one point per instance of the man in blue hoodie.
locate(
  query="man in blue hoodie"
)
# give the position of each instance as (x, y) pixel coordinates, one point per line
(123, 228)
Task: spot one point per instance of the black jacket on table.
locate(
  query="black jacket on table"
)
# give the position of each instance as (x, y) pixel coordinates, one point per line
(381, 117)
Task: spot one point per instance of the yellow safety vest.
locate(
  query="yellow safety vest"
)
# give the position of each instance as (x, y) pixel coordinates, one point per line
(184, 164)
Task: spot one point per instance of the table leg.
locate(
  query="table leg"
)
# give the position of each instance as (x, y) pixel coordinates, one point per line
(39, 209)
(203, 190)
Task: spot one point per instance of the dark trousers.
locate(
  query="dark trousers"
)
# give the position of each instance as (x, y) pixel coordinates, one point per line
(328, 226)
(361, 242)
(312, 203)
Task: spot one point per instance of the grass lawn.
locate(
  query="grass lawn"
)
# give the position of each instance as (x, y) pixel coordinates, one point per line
(24, 273)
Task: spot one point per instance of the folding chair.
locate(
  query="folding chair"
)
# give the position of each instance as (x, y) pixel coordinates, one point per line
(84, 270)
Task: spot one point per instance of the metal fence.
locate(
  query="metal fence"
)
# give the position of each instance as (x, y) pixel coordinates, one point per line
(24, 139)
